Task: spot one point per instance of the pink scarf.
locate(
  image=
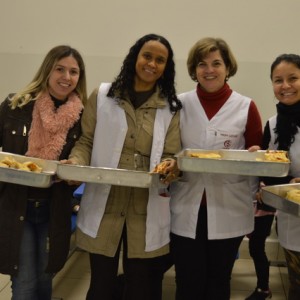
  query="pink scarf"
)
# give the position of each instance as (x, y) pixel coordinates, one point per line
(50, 126)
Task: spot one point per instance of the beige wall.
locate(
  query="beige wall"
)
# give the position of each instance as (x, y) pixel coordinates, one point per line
(103, 31)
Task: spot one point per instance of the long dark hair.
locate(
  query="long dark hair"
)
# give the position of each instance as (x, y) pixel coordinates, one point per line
(288, 116)
(124, 82)
(289, 58)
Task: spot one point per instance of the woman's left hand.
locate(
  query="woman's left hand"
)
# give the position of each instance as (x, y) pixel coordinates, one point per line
(254, 148)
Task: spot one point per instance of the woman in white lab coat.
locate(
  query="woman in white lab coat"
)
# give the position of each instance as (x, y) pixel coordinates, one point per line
(282, 132)
(211, 213)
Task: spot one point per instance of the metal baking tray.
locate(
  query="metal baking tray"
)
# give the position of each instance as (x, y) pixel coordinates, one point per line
(239, 162)
(275, 196)
(42, 180)
(112, 176)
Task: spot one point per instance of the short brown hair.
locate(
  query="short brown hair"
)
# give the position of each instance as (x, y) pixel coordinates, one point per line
(205, 46)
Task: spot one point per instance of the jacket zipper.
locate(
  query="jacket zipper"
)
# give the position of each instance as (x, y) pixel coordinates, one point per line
(24, 130)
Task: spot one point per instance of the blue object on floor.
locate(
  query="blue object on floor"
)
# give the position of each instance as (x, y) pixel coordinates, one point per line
(73, 222)
(77, 194)
(79, 191)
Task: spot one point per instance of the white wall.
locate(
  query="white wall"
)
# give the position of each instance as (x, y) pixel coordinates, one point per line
(103, 31)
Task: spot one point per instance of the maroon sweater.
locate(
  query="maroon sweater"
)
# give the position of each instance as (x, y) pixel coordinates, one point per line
(212, 102)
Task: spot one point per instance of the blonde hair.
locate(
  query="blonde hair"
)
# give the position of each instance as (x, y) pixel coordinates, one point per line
(39, 83)
(205, 46)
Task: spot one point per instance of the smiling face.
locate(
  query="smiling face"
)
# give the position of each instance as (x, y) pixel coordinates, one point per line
(63, 78)
(150, 65)
(211, 72)
(286, 83)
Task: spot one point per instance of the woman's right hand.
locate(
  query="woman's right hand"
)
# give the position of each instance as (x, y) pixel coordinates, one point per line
(67, 162)
(70, 162)
(295, 180)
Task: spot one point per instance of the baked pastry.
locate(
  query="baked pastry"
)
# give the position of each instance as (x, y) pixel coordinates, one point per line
(33, 167)
(293, 195)
(3, 165)
(10, 162)
(161, 167)
(276, 156)
(206, 155)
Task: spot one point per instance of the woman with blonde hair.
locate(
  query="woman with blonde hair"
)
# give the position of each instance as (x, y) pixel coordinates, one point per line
(43, 121)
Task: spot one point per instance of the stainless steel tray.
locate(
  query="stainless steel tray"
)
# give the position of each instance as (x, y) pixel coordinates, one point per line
(240, 162)
(43, 179)
(275, 196)
(108, 176)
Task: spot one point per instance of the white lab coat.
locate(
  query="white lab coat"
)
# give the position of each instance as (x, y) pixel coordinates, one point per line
(288, 225)
(229, 197)
(109, 137)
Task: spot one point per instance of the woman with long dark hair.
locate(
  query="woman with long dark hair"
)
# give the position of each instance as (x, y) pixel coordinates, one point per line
(282, 132)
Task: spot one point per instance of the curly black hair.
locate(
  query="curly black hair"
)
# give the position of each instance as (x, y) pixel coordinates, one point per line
(124, 82)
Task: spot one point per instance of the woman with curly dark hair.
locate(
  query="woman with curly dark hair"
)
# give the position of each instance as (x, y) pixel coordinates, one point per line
(125, 81)
(130, 124)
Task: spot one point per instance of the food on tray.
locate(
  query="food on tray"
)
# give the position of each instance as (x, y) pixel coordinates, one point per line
(33, 167)
(276, 155)
(3, 165)
(293, 195)
(10, 162)
(161, 167)
(205, 155)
